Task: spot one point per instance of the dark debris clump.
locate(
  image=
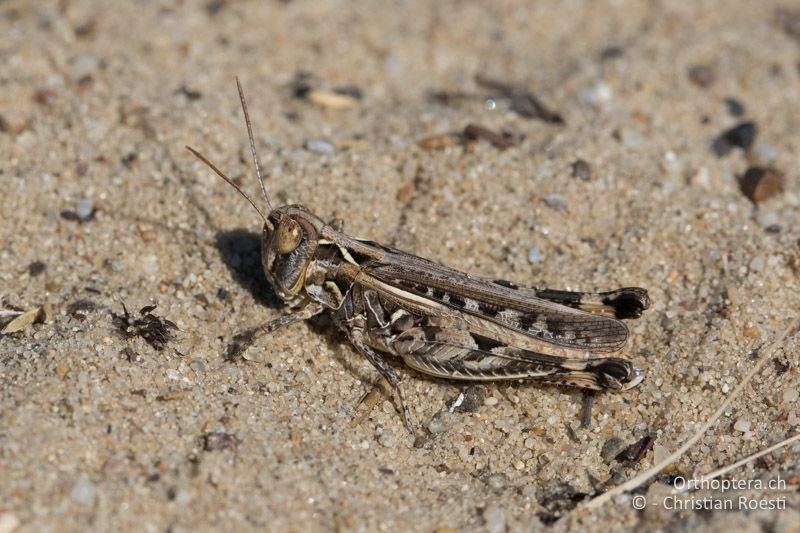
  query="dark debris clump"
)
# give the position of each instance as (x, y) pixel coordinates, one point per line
(217, 440)
(156, 331)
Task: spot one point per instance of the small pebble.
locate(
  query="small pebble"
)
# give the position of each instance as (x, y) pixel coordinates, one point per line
(441, 422)
(581, 170)
(742, 425)
(735, 108)
(740, 136)
(535, 255)
(85, 209)
(702, 75)
(556, 202)
(761, 183)
(491, 401)
(83, 491)
(320, 146)
(597, 95)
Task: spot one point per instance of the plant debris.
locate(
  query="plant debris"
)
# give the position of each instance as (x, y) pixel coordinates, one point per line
(470, 134)
(586, 409)
(24, 319)
(218, 440)
(156, 331)
(502, 140)
(521, 101)
(634, 452)
(340, 98)
(438, 142)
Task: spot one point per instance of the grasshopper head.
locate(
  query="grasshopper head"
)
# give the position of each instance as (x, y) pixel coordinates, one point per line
(288, 243)
(290, 235)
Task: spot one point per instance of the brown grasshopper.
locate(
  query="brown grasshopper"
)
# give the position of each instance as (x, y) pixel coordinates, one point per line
(440, 321)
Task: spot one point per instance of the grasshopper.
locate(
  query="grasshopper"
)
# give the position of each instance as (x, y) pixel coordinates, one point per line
(438, 320)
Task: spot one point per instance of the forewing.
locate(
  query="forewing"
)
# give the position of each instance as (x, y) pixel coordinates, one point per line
(500, 303)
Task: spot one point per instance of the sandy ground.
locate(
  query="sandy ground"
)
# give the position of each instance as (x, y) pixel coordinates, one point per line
(102, 205)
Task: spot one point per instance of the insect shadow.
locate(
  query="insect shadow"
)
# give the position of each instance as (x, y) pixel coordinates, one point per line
(241, 252)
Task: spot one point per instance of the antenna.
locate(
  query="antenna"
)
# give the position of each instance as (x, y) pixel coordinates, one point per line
(202, 158)
(252, 144)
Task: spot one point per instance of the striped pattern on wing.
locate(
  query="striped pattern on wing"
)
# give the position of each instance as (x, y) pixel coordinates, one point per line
(514, 308)
(461, 354)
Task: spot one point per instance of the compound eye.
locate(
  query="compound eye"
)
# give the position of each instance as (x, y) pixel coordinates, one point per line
(288, 236)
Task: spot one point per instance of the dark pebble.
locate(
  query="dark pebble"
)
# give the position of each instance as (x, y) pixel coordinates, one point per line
(473, 399)
(739, 136)
(36, 268)
(611, 52)
(735, 107)
(702, 75)
(761, 183)
(773, 228)
(188, 92)
(581, 170)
